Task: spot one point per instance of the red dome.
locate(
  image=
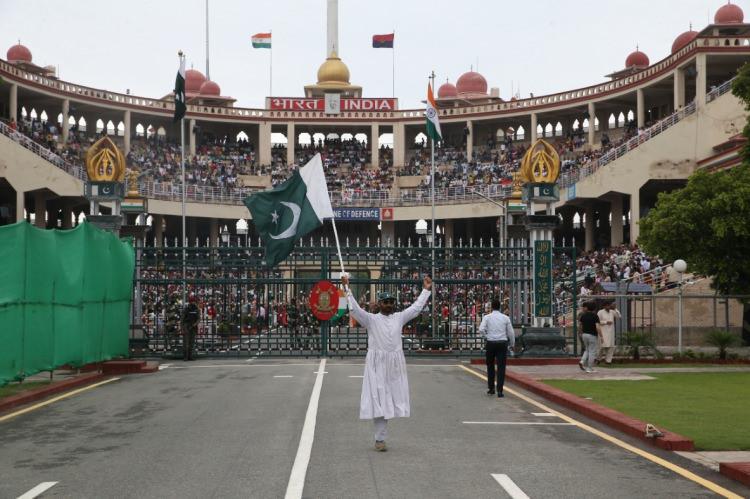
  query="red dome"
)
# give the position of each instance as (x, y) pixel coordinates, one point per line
(210, 88)
(447, 90)
(18, 53)
(683, 40)
(729, 14)
(193, 81)
(471, 83)
(637, 58)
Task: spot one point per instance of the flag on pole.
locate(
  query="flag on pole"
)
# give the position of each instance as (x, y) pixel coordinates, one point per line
(261, 41)
(291, 210)
(179, 92)
(433, 123)
(383, 41)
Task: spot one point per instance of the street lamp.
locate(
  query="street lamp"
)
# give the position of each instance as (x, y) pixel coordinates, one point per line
(679, 266)
(242, 228)
(225, 235)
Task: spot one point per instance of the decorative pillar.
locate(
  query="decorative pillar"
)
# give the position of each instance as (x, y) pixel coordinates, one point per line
(157, 223)
(13, 101)
(387, 234)
(590, 223)
(214, 232)
(375, 145)
(534, 124)
(191, 134)
(679, 89)
(264, 144)
(399, 145)
(641, 108)
(64, 125)
(448, 231)
(701, 79)
(40, 210)
(20, 205)
(635, 215)
(291, 141)
(592, 123)
(616, 223)
(469, 140)
(126, 136)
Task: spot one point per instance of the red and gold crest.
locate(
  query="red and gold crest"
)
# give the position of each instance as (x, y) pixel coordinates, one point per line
(324, 300)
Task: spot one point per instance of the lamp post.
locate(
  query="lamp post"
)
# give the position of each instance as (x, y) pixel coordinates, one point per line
(422, 229)
(680, 267)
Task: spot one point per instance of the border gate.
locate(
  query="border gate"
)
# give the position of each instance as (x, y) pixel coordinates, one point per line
(250, 310)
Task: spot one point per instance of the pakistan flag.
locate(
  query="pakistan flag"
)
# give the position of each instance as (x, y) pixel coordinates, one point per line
(291, 210)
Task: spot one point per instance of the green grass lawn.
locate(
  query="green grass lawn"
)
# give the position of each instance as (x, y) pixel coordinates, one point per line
(713, 409)
(666, 365)
(14, 388)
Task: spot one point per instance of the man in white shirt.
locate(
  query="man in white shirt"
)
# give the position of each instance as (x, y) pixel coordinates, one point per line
(498, 330)
(607, 317)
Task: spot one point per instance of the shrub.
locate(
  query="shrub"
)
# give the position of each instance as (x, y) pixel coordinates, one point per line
(722, 340)
(635, 340)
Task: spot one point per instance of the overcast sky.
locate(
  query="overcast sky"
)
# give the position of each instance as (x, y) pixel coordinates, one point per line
(539, 46)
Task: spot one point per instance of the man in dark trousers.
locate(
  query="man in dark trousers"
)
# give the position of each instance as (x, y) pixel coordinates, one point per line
(190, 317)
(498, 330)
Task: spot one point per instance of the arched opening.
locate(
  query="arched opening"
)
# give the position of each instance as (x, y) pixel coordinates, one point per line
(500, 134)
(346, 136)
(82, 124)
(596, 124)
(71, 121)
(242, 136)
(612, 121)
(110, 128)
(278, 139)
(558, 129)
(33, 114)
(318, 139)
(539, 131)
(150, 131)
(631, 116)
(620, 120)
(59, 119)
(304, 139)
(420, 139)
(520, 133)
(161, 132)
(332, 136)
(386, 140)
(362, 137)
(121, 129)
(24, 113)
(586, 125)
(99, 125)
(548, 130)
(139, 130)
(576, 125)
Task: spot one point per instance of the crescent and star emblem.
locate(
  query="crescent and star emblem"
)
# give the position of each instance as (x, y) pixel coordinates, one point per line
(292, 229)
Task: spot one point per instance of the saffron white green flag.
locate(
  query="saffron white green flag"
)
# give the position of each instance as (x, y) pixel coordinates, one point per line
(261, 40)
(433, 123)
(291, 210)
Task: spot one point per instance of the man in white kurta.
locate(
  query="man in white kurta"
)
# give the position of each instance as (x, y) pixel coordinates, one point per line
(385, 387)
(607, 317)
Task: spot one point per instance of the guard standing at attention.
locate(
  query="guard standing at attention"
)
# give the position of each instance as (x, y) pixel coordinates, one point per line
(498, 330)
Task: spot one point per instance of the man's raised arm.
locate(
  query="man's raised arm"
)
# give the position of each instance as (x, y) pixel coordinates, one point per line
(354, 309)
(419, 304)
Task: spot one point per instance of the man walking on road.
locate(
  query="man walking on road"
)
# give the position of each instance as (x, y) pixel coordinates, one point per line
(498, 330)
(385, 387)
(607, 317)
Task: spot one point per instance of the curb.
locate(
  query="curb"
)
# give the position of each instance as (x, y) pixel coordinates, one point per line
(533, 361)
(54, 388)
(617, 420)
(736, 471)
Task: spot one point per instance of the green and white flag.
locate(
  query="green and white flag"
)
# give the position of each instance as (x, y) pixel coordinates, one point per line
(291, 210)
(433, 123)
(179, 92)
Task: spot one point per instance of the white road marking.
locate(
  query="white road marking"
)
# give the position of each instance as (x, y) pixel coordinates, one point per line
(519, 423)
(38, 490)
(284, 376)
(543, 414)
(361, 376)
(316, 372)
(510, 486)
(164, 366)
(299, 470)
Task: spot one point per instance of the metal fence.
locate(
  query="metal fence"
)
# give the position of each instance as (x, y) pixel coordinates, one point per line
(250, 310)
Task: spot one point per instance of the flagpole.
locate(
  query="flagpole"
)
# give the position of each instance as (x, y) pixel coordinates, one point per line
(432, 201)
(182, 169)
(270, 83)
(338, 246)
(393, 67)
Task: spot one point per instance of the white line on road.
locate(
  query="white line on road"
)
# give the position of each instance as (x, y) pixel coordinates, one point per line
(521, 423)
(316, 372)
(164, 366)
(360, 376)
(510, 486)
(284, 376)
(299, 470)
(543, 414)
(38, 490)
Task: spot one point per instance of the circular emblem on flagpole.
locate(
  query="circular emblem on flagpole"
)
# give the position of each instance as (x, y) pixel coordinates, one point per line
(324, 300)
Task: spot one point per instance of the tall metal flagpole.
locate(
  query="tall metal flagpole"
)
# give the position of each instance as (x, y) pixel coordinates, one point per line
(432, 202)
(393, 68)
(182, 169)
(270, 64)
(208, 73)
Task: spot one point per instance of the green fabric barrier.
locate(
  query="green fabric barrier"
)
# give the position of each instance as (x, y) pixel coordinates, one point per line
(64, 298)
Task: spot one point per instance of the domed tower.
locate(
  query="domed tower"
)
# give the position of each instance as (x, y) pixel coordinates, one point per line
(635, 62)
(333, 77)
(729, 14)
(684, 39)
(19, 55)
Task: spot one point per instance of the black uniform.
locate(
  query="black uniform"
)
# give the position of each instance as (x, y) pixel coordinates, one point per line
(190, 318)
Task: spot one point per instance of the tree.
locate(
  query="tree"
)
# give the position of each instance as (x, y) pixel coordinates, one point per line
(707, 224)
(741, 90)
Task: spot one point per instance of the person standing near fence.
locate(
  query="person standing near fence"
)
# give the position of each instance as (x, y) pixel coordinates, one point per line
(497, 328)
(190, 318)
(591, 331)
(385, 387)
(607, 317)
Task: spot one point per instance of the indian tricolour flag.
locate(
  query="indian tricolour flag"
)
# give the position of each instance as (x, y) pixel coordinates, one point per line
(261, 41)
(343, 305)
(433, 123)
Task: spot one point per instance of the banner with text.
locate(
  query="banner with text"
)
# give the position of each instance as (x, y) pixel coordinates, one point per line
(361, 214)
(293, 104)
(543, 278)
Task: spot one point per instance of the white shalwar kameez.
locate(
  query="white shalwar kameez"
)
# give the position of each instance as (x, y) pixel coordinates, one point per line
(385, 387)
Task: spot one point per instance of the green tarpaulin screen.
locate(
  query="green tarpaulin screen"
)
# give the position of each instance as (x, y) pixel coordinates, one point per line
(64, 298)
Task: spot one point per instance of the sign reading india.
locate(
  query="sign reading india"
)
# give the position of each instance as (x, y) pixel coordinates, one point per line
(292, 104)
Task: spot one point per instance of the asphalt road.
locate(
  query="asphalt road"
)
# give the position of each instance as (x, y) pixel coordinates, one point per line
(233, 428)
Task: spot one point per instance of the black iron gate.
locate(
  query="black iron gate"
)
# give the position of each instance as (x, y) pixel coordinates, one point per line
(250, 310)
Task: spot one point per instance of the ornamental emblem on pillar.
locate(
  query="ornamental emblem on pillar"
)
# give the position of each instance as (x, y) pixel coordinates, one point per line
(541, 164)
(105, 162)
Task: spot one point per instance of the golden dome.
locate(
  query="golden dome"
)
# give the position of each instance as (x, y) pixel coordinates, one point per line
(333, 71)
